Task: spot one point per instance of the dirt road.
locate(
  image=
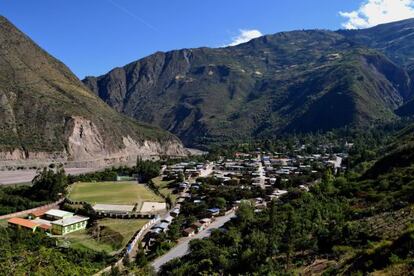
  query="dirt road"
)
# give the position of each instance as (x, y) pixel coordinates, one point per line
(24, 176)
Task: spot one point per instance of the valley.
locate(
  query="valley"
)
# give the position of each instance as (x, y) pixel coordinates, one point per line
(279, 154)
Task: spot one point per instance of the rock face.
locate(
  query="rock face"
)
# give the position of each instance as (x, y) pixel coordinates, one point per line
(46, 113)
(288, 82)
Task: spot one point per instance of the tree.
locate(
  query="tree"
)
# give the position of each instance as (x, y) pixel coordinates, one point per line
(146, 170)
(245, 213)
(290, 235)
(168, 201)
(220, 202)
(49, 184)
(141, 259)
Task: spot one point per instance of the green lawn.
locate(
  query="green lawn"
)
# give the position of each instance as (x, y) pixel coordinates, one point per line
(163, 187)
(126, 192)
(125, 227)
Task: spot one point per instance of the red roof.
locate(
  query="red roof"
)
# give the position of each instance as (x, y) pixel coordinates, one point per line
(23, 222)
(189, 230)
(45, 226)
(39, 213)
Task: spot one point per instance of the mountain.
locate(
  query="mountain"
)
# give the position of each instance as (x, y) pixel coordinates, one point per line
(47, 113)
(287, 82)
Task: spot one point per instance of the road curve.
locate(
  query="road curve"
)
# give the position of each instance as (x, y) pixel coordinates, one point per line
(181, 248)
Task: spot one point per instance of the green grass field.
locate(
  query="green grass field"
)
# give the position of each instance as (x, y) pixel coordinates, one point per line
(127, 193)
(125, 227)
(163, 187)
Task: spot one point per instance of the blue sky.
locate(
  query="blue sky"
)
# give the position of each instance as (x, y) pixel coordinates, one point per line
(93, 36)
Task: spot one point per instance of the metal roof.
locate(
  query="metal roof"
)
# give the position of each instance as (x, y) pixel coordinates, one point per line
(58, 213)
(69, 220)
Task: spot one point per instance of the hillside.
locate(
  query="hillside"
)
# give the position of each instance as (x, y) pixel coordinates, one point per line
(47, 113)
(288, 82)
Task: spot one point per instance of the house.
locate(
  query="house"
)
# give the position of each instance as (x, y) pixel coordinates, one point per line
(182, 187)
(198, 226)
(189, 232)
(206, 221)
(214, 211)
(163, 226)
(168, 219)
(180, 200)
(21, 223)
(175, 212)
(156, 231)
(55, 214)
(68, 224)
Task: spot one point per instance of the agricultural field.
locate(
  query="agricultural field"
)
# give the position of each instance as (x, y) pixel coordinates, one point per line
(113, 235)
(126, 193)
(162, 186)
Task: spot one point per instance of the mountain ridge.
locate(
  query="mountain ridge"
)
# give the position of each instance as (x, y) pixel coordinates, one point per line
(267, 86)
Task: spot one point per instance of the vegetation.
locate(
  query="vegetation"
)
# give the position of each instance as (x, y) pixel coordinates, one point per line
(289, 82)
(112, 193)
(42, 106)
(348, 223)
(165, 187)
(107, 235)
(23, 251)
(147, 170)
(48, 185)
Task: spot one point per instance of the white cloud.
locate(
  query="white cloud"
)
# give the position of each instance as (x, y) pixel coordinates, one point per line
(244, 36)
(374, 12)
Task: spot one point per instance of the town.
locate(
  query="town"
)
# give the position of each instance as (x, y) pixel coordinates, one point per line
(185, 201)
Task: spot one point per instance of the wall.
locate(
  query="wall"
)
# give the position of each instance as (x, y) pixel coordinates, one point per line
(26, 212)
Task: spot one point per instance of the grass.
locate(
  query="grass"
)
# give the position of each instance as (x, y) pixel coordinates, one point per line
(162, 186)
(16, 185)
(3, 223)
(125, 227)
(128, 193)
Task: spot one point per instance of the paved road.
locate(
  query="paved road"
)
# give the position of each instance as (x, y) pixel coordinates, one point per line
(182, 248)
(23, 176)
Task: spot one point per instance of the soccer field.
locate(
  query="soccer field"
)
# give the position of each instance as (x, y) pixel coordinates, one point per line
(125, 193)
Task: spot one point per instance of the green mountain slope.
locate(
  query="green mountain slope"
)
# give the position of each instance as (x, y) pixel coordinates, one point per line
(295, 81)
(46, 112)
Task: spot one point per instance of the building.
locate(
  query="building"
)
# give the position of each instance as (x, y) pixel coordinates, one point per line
(37, 214)
(189, 232)
(206, 221)
(198, 226)
(55, 214)
(163, 226)
(175, 212)
(214, 211)
(68, 225)
(168, 219)
(21, 223)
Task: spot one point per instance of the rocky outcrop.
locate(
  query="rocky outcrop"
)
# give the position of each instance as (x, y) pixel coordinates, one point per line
(86, 148)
